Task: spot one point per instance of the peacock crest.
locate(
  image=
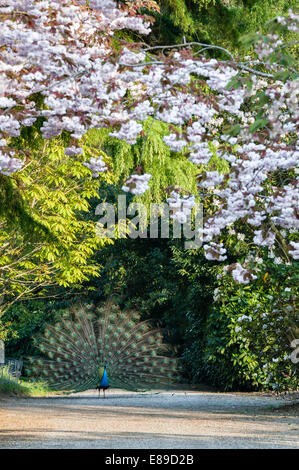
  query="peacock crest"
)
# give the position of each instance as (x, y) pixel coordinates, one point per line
(87, 339)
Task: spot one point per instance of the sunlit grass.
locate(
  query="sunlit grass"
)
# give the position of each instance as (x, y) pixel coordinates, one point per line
(22, 387)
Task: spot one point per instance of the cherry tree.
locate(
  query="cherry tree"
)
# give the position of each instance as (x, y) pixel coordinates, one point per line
(70, 53)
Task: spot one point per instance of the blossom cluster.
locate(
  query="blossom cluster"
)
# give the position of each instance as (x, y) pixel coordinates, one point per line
(181, 207)
(96, 165)
(137, 184)
(9, 164)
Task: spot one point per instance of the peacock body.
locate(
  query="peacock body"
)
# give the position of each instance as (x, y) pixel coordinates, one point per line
(90, 346)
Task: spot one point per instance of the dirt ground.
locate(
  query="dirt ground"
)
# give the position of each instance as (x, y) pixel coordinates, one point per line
(164, 420)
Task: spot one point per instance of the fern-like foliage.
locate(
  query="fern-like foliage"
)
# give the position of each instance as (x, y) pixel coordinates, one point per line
(15, 213)
(151, 153)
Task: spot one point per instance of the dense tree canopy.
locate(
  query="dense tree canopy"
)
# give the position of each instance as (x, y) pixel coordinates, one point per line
(55, 191)
(221, 22)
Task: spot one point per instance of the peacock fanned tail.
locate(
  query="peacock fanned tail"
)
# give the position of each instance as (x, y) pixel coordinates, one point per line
(84, 341)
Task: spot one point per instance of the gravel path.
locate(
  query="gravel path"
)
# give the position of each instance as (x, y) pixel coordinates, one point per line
(165, 420)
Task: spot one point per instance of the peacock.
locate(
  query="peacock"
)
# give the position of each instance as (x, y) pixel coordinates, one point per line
(104, 383)
(96, 347)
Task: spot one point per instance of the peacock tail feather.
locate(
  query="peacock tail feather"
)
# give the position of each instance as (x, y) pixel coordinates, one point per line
(88, 338)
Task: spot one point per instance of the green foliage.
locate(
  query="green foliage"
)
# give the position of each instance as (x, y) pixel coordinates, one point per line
(14, 211)
(220, 22)
(248, 334)
(55, 191)
(166, 167)
(24, 321)
(181, 12)
(11, 387)
(222, 358)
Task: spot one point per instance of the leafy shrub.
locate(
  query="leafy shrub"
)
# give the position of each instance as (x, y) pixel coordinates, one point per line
(246, 340)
